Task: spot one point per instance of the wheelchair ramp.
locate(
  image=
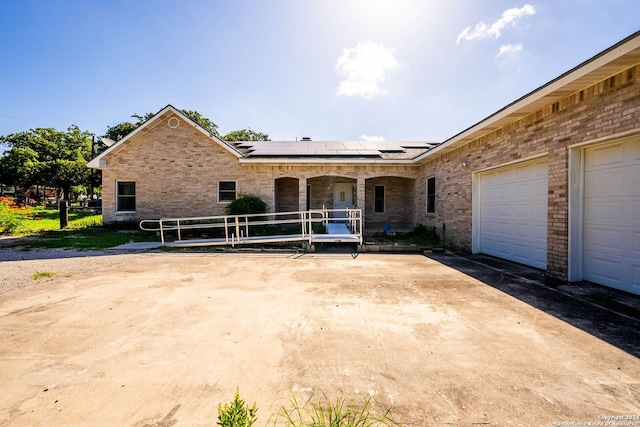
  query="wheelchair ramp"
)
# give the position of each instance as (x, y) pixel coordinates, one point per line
(313, 226)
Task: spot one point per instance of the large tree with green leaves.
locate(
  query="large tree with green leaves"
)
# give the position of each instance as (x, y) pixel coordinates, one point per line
(245, 135)
(120, 130)
(46, 156)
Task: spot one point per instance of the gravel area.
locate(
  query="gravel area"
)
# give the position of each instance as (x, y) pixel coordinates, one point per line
(18, 266)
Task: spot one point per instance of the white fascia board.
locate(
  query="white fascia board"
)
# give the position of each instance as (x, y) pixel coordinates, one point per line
(582, 70)
(99, 163)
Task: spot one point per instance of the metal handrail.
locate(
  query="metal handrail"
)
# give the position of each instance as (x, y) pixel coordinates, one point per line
(241, 224)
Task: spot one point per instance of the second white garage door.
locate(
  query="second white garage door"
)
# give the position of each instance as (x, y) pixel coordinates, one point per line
(612, 215)
(513, 213)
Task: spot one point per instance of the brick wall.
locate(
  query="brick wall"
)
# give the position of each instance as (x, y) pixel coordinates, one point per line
(609, 107)
(176, 172)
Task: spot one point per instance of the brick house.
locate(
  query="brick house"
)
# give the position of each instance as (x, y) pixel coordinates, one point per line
(552, 180)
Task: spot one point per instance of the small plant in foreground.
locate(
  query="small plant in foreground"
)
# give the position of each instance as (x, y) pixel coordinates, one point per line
(325, 413)
(40, 274)
(236, 413)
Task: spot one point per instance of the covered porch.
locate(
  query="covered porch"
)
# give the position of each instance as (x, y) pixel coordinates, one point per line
(387, 202)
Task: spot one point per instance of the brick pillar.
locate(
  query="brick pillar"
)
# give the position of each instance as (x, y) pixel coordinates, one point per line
(302, 194)
(360, 204)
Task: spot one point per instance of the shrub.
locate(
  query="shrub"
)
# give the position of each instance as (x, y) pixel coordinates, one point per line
(11, 216)
(236, 413)
(246, 204)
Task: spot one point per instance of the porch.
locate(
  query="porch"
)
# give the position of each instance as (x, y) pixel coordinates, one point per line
(387, 202)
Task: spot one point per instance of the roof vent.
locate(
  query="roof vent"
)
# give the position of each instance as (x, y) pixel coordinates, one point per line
(306, 138)
(173, 122)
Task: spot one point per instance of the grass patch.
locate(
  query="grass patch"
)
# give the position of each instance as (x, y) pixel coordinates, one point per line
(84, 231)
(326, 413)
(42, 274)
(46, 219)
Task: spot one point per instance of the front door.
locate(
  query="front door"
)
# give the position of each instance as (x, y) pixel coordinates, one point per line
(342, 198)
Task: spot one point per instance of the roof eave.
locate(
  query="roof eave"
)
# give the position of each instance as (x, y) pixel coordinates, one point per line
(619, 57)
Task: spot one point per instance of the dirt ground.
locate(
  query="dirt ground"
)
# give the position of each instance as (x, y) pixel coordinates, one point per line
(162, 339)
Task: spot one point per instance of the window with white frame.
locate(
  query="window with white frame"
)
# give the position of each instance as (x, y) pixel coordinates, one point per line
(431, 195)
(379, 199)
(226, 191)
(125, 196)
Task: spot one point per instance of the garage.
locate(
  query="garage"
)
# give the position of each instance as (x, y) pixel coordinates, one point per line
(511, 211)
(611, 216)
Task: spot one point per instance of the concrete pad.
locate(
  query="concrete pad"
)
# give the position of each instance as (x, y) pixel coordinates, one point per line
(163, 339)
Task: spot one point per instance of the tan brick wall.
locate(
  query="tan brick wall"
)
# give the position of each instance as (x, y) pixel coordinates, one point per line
(176, 172)
(607, 108)
(399, 194)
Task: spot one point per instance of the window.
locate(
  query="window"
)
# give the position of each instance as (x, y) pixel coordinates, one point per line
(431, 195)
(226, 191)
(126, 196)
(379, 199)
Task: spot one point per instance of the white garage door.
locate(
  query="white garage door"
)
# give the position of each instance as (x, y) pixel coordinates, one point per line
(513, 213)
(612, 215)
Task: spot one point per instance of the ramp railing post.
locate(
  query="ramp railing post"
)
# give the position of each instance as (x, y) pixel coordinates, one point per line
(179, 234)
(161, 232)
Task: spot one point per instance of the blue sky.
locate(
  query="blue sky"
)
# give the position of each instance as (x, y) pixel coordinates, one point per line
(329, 69)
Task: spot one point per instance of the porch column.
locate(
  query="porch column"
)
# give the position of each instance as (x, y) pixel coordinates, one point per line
(302, 194)
(361, 185)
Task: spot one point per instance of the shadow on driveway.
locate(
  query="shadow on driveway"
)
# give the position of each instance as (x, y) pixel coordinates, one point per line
(606, 313)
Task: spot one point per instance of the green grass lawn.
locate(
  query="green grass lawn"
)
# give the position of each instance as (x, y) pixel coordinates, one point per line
(84, 231)
(44, 219)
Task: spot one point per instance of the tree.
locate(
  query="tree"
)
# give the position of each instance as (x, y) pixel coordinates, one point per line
(246, 135)
(120, 130)
(210, 126)
(46, 156)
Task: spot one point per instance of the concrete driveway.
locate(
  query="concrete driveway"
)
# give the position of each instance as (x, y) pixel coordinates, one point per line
(161, 339)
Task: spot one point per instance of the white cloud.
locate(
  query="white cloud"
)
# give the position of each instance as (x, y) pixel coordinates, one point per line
(364, 68)
(482, 30)
(509, 49)
(373, 138)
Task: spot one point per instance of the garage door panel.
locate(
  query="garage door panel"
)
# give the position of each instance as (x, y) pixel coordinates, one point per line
(611, 225)
(522, 211)
(605, 157)
(600, 183)
(540, 234)
(513, 225)
(598, 211)
(503, 228)
(522, 191)
(601, 238)
(522, 230)
(603, 268)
